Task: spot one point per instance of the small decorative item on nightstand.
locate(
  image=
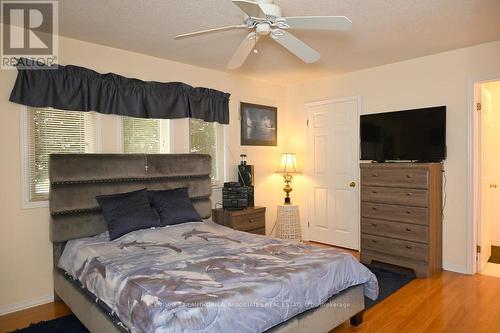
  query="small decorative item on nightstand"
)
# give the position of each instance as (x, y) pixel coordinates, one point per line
(288, 165)
(287, 222)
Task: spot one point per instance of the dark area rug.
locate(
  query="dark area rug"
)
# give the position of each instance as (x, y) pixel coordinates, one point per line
(495, 255)
(390, 279)
(67, 324)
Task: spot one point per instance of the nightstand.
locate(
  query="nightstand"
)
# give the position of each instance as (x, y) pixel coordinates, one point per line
(252, 219)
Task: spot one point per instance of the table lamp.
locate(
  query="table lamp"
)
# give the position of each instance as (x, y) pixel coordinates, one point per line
(288, 165)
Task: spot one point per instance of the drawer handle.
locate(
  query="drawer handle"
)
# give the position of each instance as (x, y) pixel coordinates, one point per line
(408, 176)
(408, 212)
(374, 192)
(374, 224)
(408, 247)
(374, 208)
(374, 175)
(251, 220)
(409, 194)
(408, 229)
(374, 241)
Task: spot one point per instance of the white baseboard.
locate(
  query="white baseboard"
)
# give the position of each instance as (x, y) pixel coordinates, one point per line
(495, 242)
(455, 268)
(29, 303)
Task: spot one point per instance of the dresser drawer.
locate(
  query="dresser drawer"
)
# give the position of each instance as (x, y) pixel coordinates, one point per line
(396, 247)
(404, 231)
(407, 214)
(408, 178)
(396, 196)
(248, 222)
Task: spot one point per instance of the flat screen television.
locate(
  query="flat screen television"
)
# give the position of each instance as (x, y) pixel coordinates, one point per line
(412, 135)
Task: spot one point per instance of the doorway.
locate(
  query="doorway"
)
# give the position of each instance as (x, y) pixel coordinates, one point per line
(487, 177)
(332, 169)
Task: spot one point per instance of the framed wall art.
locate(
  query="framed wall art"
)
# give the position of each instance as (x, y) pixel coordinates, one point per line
(259, 125)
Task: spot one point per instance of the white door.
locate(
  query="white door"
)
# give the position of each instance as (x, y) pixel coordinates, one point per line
(332, 170)
(487, 179)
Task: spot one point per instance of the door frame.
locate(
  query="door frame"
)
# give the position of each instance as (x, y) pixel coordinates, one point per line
(474, 169)
(307, 105)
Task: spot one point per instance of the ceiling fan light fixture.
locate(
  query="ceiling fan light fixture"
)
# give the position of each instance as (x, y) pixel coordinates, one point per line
(263, 29)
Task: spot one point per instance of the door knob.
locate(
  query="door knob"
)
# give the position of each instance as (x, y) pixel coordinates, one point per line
(352, 184)
(493, 185)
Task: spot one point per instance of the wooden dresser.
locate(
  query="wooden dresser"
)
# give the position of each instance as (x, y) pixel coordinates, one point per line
(252, 219)
(401, 215)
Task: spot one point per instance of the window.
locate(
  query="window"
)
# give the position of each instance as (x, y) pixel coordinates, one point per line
(148, 136)
(207, 138)
(54, 131)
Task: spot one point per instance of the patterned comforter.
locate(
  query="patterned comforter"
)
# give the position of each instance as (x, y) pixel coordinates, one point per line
(203, 277)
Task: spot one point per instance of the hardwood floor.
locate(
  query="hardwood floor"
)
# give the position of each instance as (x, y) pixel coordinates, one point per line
(24, 318)
(449, 302)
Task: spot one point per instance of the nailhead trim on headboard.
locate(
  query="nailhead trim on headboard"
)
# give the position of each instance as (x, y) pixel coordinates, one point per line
(116, 180)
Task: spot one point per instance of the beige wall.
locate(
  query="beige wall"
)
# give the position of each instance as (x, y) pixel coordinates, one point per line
(440, 79)
(25, 250)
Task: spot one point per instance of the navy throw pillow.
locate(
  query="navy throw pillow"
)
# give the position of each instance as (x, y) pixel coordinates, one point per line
(174, 206)
(127, 212)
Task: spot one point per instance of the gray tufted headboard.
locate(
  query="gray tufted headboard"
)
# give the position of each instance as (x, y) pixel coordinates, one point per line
(76, 179)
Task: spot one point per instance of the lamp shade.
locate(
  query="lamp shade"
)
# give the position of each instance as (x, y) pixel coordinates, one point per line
(288, 164)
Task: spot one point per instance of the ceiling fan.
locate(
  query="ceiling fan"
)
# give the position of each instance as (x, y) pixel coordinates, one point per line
(264, 18)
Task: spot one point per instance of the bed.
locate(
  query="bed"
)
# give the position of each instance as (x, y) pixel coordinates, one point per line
(206, 263)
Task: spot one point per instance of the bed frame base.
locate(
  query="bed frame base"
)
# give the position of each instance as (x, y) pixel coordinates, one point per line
(349, 304)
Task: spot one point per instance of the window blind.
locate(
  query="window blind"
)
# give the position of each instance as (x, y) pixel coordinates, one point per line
(143, 136)
(55, 131)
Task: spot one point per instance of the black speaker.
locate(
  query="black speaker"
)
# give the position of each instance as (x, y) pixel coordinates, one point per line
(245, 175)
(250, 196)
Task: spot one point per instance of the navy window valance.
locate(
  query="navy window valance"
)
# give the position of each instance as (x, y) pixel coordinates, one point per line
(80, 89)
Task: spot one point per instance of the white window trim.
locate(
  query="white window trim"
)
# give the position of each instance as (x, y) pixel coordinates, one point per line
(171, 143)
(183, 128)
(119, 133)
(167, 146)
(26, 203)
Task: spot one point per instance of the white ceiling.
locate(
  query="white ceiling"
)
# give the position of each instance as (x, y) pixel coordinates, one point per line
(384, 31)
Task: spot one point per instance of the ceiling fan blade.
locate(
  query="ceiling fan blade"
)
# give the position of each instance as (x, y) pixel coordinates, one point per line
(197, 33)
(243, 51)
(250, 8)
(319, 22)
(296, 46)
